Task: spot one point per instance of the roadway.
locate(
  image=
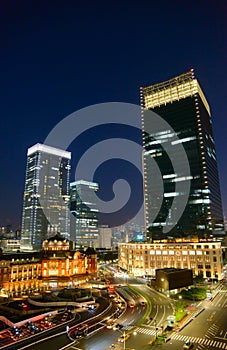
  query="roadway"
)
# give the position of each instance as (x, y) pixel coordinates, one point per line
(207, 331)
(136, 320)
(56, 338)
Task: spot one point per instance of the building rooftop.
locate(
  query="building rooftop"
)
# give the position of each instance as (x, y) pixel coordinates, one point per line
(174, 89)
(38, 147)
(57, 237)
(171, 270)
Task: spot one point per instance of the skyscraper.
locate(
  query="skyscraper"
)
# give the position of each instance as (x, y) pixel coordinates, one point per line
(84, 222)
(46, 195)
(182, 104)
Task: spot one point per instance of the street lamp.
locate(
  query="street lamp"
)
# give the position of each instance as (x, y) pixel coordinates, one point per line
(124, 336)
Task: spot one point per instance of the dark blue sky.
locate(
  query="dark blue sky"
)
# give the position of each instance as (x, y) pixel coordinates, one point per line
(59, 56)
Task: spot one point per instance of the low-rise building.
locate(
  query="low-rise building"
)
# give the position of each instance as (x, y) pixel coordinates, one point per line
(202, 257)
(56, 266)
(171, 278)
(10, 245)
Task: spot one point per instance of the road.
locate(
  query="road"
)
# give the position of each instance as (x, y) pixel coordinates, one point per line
(158, 307)
(208, 331)
(56, 338)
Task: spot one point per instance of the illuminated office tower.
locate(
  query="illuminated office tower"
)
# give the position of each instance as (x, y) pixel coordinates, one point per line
(46, 196)
(182, 104)
(84, 221)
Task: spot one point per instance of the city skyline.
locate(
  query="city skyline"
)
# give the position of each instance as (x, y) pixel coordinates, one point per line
(55, 62)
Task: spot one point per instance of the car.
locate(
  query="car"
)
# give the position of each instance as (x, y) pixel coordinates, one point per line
(109, 323)
(131, 305)
(188, 345)
(143, 303)
(124, 337)
(117, 326)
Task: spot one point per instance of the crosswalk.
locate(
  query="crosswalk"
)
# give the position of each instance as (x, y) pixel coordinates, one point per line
(206, 342)
(145, 331)
(183, 338)
(142, 330)
(212, 330)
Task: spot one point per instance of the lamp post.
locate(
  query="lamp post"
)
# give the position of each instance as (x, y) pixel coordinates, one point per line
(124, 335)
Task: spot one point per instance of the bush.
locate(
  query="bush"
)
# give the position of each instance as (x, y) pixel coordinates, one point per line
(197, 293)
(180, 315)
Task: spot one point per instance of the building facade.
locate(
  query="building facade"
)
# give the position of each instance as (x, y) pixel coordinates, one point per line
(56, 266)
(142, 259)
(62, 267)
(46, 196)
(181, 103)
(20, 273)
(84, 221)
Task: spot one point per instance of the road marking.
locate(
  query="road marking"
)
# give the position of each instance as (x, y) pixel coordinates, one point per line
(201, 341)
(145, 331)
(128, 328)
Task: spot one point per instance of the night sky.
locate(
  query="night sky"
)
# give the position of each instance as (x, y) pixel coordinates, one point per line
(59, 56)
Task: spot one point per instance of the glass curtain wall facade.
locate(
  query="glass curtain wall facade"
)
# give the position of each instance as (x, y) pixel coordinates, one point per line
(46, 196)
(182, 104)
(84, 221)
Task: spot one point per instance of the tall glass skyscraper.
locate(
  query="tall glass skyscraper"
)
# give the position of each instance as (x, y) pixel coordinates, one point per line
(182, 104)
(84, 221)
(46, 195)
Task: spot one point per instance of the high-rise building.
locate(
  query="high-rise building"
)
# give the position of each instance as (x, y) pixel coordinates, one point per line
(84, 221)
(46, 195)
(105, 237)
(181, 103)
